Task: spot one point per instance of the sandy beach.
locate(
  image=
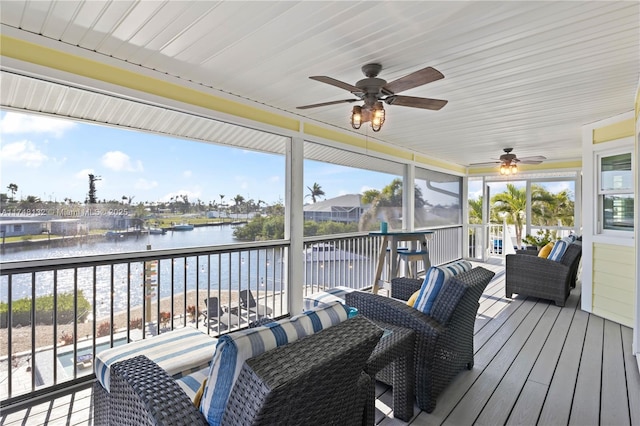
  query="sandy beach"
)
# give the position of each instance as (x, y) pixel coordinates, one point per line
(21, 336)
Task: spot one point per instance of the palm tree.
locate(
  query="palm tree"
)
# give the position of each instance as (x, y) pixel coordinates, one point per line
(315, 191)
(381, 202)
(13, 188)
(513, 202)
(475, 211)
(238, 199)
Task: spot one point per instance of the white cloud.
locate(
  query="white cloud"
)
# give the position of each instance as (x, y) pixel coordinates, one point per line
(24, 152)
(145, 184)
(84, 174)
(187, 173)
(15, 123)
(274, 179)
(119, 161)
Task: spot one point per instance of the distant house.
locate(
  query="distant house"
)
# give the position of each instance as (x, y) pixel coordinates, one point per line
(65, 226)
(345, 208)
(20, 227)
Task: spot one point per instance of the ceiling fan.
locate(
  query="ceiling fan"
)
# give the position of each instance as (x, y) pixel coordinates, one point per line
(374, 91)
(509, 162)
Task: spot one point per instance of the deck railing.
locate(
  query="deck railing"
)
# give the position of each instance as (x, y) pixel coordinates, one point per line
(87, 304)
(56, 314)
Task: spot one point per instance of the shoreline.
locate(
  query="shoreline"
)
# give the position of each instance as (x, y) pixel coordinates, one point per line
(21, 336)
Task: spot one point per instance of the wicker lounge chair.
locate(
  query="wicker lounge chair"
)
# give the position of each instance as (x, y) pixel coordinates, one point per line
(530, 275)
(443, 341)
(316, 380)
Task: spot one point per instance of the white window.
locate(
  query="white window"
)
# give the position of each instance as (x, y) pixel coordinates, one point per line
(615, 192)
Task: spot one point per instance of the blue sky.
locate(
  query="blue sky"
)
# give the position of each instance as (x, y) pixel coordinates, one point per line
(51, 158)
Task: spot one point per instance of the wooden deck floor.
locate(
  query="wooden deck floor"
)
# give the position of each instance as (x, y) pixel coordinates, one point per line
(535, 363)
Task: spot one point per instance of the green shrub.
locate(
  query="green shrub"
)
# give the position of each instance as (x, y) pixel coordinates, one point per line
(21, 310)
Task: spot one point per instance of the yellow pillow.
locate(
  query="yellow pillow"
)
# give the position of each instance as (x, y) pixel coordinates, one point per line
(412, 299)
(544, 251)
(198, 397)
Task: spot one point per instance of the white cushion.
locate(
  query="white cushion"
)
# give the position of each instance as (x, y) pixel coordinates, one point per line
(235, 348)
(178, 352)
(335, 294)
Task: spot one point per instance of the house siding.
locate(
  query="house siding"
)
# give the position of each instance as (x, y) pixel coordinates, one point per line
(613, 282)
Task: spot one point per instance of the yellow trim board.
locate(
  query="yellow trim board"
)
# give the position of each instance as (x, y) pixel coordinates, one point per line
(40, 55)
(437, 163)
(619, 130)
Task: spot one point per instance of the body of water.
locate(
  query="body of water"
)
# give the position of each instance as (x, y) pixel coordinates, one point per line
(124, 283)
(200, 236)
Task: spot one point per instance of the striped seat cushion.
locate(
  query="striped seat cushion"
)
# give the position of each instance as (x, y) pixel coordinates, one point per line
(435, 278)
(178, 352)
(192, 382)
(335, 294)
(234, 349)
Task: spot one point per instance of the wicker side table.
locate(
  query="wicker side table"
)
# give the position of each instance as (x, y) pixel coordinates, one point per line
(395, 351)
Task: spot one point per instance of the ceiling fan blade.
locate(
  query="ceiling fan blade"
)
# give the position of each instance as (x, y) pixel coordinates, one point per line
(414, 102)
(337, 83)
(489, 163)
(415, 79)
(529, 161)
(327, 103)
(537, 159)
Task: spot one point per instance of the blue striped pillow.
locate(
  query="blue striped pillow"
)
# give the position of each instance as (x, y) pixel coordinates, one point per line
(458, 266)
(235, 348)
(558, 250)
(433, 282)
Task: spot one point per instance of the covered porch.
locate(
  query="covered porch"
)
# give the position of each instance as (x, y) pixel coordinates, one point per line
(559, 80)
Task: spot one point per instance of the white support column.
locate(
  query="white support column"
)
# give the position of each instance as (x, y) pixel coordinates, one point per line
(294, 222)
(408, 197)
(465, 217)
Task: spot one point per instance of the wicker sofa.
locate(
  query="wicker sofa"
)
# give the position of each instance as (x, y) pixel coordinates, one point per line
(444, 340)
(318, 379)
(530, 275)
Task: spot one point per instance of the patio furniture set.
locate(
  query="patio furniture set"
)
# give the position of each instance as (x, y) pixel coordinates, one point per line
(314, 368)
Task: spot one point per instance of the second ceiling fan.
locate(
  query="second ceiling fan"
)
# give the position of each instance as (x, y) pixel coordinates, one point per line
(373, 91)
(509, 162)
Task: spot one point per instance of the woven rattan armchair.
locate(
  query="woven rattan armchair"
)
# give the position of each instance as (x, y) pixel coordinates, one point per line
(530, 275)
(443, 340)
(316, 380)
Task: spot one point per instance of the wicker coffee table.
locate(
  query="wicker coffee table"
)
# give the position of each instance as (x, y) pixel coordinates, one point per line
(395, 351)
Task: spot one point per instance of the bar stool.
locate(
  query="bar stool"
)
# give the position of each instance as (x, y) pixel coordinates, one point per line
(409, 259)
(388, 260)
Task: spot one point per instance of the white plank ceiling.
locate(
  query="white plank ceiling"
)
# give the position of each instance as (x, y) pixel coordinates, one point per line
(525, 75)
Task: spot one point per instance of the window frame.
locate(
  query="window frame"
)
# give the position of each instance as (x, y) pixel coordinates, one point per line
(602, 193)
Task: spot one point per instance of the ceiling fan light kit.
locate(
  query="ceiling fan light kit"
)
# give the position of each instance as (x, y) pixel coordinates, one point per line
(374, 91)
(508, 169)
(362, 114)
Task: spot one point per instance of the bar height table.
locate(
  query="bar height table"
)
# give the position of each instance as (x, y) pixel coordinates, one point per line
(391, 240)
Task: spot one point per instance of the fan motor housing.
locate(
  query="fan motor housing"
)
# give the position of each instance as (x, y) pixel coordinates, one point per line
(371, 85)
